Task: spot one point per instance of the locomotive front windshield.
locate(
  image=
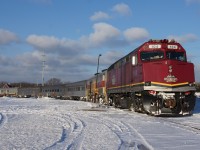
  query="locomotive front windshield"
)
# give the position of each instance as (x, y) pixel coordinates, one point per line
(157, 55)
(176, 55)
(151, 55)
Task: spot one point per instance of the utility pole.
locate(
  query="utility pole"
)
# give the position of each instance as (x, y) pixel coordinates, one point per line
(43, 68)
(96, 92)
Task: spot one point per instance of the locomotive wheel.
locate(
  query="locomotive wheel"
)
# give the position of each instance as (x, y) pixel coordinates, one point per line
(129, 103)
(136, 103)
(114, 101)
(139, 105)
(122, 102)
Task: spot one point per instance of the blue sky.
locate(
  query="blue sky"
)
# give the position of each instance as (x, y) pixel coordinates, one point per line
(72, 33)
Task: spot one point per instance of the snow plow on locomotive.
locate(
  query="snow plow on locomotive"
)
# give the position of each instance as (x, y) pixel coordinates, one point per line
(155, 78)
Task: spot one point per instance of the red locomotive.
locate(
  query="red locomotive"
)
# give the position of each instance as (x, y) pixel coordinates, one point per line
(155, 78)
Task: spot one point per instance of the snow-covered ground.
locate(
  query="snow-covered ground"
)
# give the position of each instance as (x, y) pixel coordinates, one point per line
(49, 124)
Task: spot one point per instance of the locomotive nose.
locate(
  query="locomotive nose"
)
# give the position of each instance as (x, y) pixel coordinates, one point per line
(168, 72)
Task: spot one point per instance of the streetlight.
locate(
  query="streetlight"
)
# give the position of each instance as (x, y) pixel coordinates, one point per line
(97, 77)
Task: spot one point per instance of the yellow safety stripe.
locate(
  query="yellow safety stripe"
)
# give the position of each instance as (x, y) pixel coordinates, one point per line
(171, 85)
(154, 83)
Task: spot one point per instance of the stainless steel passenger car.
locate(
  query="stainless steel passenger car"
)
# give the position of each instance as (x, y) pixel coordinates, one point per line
(75, 90)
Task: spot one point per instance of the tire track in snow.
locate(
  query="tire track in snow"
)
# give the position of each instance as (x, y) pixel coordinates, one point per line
(129, 137)
(76, 135)
(71, 136)
(60, 143)
(189, 126)
(145, 145)
(3, 119)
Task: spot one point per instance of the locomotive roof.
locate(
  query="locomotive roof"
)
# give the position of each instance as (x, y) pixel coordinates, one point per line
(161, 44)
(151, 43)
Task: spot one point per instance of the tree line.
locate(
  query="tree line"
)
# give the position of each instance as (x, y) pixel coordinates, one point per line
(52, 81)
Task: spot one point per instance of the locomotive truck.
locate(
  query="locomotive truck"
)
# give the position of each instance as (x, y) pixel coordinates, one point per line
(155, 78)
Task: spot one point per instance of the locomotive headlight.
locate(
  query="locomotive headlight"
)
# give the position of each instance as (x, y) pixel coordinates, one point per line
(147, 83)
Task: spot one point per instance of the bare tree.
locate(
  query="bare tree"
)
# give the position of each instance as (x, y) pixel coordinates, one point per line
(54, 81)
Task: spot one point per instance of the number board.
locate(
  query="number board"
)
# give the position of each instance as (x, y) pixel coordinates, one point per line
(172, 46)
(155, 46)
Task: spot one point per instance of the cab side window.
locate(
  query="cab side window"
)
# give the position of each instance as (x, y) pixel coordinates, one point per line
(134, 60)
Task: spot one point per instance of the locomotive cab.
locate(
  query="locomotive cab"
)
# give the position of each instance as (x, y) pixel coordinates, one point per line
(167, 76)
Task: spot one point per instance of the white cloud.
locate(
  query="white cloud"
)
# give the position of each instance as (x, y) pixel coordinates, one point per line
(135, 34)
(111, 56)
(103, 34)
(185, 38)
(122, 9)
(107, 58)
(7, 37)
(54, 44)
(99, 16)
(43, 41)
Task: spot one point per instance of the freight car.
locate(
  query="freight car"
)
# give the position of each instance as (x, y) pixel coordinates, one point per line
(155, 78)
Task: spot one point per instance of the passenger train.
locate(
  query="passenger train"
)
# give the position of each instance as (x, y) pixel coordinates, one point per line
(155, 78)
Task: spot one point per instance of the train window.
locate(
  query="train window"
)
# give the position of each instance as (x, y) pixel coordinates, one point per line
(117, 65)
(176, 55)
(128, 58)
(103, 77)
(134, 60)
(151, 55)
